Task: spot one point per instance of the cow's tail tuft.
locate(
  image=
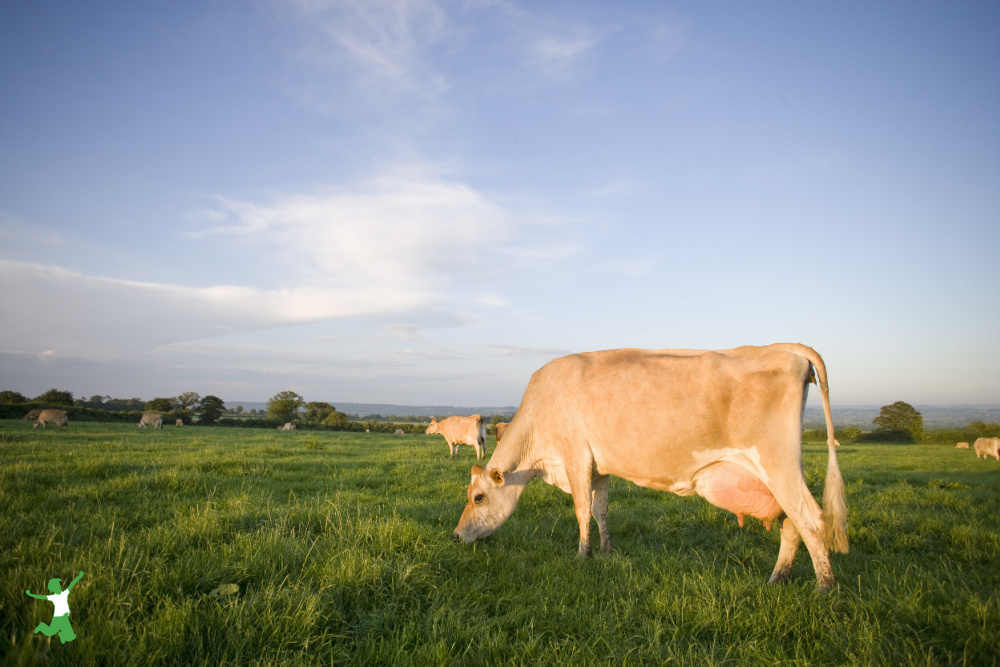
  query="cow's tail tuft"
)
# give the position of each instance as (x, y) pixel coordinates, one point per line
(834, 507)
(834, 494)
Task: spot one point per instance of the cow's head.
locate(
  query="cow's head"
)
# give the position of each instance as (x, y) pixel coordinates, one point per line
(493, 495)
(433, 428)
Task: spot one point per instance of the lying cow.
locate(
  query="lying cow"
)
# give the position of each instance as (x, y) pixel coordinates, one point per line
(57, 417)
(962, 445)
(178, 422)
(461, 431)
(726, 425)
(987, 447)
(501, 429)
(289, 426)
(32, 414)
(151, 419)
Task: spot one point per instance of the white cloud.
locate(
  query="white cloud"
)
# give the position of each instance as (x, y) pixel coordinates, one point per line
(393, 234)
(103, 318)
(382, 47)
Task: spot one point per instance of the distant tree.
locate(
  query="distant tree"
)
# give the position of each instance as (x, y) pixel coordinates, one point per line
(316, 412)
(899, 422)
(212, 408)
(10, 397)
(56, 397)
(284, 406)
(160, 405)
(848, 433)
(187, 400)
(239, 409)
(335, 419)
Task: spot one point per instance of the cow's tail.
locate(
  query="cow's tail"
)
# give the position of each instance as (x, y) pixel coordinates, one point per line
(834, 495)
(482, 434)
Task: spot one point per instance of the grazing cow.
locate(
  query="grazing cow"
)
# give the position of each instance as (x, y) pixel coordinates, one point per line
(501, 429)
(151, 419)
(962, 445)
(398, 431)
(289, 426)
(178, 422)
(461, 431)
(57, 417)
(726, 425)
(987, 447)
(32, 414)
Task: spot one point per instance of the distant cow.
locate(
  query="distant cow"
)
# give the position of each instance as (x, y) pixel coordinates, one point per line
(33, 414)
(398, 431)
(501, 428)
(151, 419)
(987, 447)
(289, 426)
(962, 445)
(725, 425)
(178, 422)
(461, 431)
(57, 417)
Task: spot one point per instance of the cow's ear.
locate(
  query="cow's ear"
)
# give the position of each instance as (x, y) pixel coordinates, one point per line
(477, 470)
(496, 476)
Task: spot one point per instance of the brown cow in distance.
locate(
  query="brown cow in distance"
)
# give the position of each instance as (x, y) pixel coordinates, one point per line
(57, 417)
(962, 445)
(457, 431)
(987, 447)
(501, 429)
(32, 414)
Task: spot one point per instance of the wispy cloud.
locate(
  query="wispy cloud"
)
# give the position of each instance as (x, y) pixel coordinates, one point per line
(400, 233)
(78, 315)
(381, 48)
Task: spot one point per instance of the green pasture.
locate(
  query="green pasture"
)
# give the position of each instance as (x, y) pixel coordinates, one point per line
(340, 544)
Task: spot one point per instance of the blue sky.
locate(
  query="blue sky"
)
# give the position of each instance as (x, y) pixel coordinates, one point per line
(423, 202)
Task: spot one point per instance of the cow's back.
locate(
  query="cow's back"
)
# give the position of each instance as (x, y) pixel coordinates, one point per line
(651, 415)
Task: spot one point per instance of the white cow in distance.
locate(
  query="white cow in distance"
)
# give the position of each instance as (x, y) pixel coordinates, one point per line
(725, 425)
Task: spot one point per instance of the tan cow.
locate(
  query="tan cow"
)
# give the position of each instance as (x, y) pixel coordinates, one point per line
(726, 425)
(57, 417)
(32, 414)
(457, 431)
(501, 429)
(178, 422)
(289, 426)
(962, 445)
(151, 419)
(987, 447)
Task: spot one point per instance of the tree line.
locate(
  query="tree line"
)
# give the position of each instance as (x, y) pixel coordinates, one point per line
(899, 422)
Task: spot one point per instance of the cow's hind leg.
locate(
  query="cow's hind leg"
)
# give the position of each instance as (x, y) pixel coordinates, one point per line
(600, 510)
(804, 512)
(790, 541)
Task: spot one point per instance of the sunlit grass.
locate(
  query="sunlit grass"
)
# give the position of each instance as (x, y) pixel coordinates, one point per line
(341, 547)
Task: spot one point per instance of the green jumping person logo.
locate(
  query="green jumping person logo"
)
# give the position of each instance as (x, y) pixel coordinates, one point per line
(60, 615)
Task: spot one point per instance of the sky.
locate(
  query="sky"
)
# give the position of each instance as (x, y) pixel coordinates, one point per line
(421, 202)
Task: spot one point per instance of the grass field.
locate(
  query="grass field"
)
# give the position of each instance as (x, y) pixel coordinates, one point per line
(341, 546)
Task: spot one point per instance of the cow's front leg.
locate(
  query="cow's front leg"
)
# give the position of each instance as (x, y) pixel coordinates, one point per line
(790, 540)
(600, 510)
(581, 485)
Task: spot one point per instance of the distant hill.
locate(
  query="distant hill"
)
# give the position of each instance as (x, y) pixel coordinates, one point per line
(935, 416)
(365, 409)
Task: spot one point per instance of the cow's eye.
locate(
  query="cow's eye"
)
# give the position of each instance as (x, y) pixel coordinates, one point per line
(478, 498)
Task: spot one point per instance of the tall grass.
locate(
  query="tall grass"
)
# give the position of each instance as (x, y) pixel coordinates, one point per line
(341, 547)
